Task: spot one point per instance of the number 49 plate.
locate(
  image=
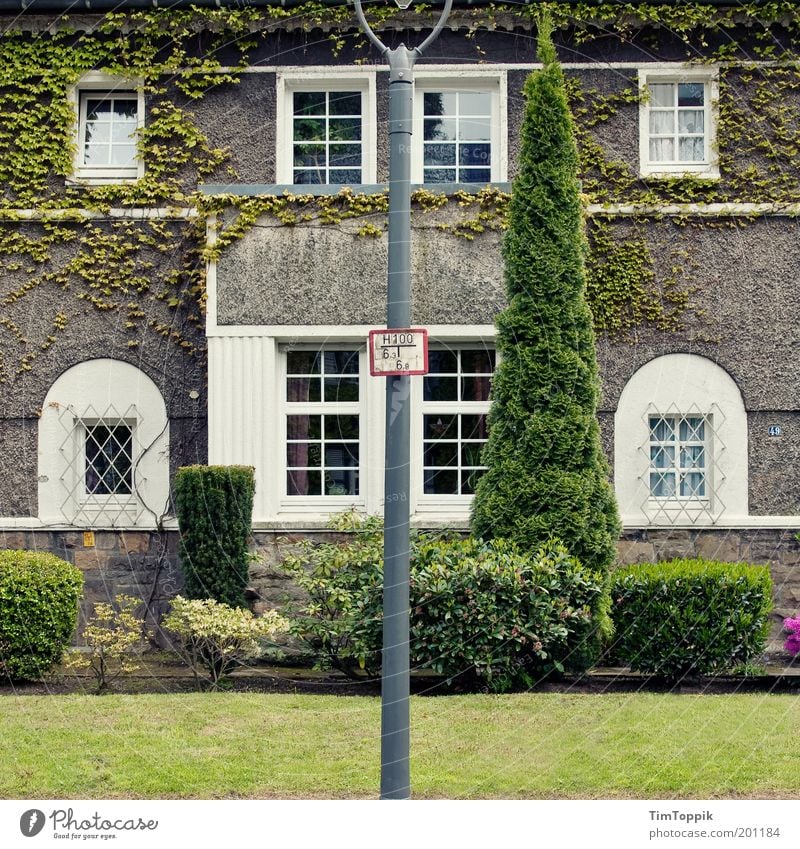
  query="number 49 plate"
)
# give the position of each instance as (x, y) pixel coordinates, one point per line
(403, 351)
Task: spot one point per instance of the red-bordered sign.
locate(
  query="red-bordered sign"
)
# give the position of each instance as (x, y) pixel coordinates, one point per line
(398, 351)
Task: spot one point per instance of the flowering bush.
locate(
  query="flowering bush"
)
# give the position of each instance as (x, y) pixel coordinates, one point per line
(792, 627)
(113, 641)
(214, 638)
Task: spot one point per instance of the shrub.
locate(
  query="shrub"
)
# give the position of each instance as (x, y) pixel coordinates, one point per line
(486, 613)
(690, 616)
(340, 623)
(792, 628)
(39, 595)
(480, 612)
(546, 473)
(215, 513)
(114, 641)
(214, 638)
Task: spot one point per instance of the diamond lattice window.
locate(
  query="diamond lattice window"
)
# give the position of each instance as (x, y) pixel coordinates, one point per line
(108, 451)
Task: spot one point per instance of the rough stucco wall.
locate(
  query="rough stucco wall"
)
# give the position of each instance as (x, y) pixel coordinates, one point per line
(338, 277)
(90, 334)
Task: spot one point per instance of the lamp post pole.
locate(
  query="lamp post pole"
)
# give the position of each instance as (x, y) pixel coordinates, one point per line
(395, 719)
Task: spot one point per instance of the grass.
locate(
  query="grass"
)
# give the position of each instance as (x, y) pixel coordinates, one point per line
(532, 745)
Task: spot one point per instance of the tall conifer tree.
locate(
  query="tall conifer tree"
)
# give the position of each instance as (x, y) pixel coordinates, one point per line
(547, 475)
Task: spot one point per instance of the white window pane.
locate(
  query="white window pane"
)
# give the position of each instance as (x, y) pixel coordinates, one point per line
(691, 94)
(692, 429)
(693, 485)
(662, 484)
(662, 94)
(662, 150)
(691, 149)
(693, 457)
(661, 429)
(475, 103)
(123, 154)
(97, 154)
(661, 122)
(475, 129)
(662, 457)
(691, 121)
(439, 103)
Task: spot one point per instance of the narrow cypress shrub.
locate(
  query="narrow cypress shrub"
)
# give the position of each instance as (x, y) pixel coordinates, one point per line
(215, 514)
(547, 475)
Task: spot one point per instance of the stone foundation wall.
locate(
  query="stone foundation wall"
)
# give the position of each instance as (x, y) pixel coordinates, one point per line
(146, 564)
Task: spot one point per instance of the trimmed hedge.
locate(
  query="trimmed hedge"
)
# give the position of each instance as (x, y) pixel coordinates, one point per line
(684, 617)
(481, 612)
(39, 595)
(215, 515)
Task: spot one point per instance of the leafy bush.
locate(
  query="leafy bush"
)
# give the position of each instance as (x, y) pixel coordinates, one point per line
(341, 621)
(214, 638)
(792, 628)
(39, 595)
(480, 612)
(487, 613)
(114, 641)
(690, 616)
(215, 513)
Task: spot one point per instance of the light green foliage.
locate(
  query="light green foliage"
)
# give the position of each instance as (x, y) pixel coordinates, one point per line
(483, 614)
(213, 638)
(39, 595)
(114, 638)
(214, 505)
(546, 472)
(685, 617)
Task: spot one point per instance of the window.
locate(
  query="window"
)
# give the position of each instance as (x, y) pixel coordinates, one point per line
(108, 457)
(454, 419)
(678, 457)
(328, 130)
(457, 132)
(109, 114)
(103, 448)
(680, 445)
(323, 422)
(677, 124)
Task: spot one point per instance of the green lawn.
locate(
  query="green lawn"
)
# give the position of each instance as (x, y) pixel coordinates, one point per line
(537, 746)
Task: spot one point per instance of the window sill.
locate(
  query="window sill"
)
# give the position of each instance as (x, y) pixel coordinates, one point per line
(709, 173)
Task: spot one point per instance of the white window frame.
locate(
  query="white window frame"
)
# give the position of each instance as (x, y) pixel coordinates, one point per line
(96, 82)
(709, 77)
(437, 503)
(682, 385)
(108, 390)
(676, 469)
(323, 503)
(332, 79)
(451, 80)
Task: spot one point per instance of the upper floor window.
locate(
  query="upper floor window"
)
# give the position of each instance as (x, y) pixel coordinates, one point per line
(457, 132)
(109, 113)
(327, 130)
(677, 133)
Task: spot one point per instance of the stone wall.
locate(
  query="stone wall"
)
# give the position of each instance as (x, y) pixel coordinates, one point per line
(146, 565)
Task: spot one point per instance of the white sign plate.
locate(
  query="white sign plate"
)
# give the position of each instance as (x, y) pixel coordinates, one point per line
(398, 351)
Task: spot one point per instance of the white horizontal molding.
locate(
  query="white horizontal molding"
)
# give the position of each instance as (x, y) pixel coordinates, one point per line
(32, 523)
(724, 523)
(720, 210)
(135, 213)
(292, 333)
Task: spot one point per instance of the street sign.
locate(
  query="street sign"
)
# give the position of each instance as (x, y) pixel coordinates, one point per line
(403, 351)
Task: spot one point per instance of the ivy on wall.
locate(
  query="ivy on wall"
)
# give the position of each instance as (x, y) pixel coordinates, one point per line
(118, 266)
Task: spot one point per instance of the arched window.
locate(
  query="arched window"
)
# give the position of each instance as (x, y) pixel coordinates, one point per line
(680, 444)
(103, 448)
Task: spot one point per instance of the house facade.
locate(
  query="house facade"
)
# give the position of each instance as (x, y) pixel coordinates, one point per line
(194, 250)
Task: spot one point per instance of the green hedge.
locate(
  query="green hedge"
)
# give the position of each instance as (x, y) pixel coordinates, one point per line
(481, 612)
(690, 616)
(215, 515)
(39, 595)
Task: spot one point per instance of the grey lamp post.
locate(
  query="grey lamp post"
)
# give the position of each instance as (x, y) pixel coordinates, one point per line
(395, 778)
